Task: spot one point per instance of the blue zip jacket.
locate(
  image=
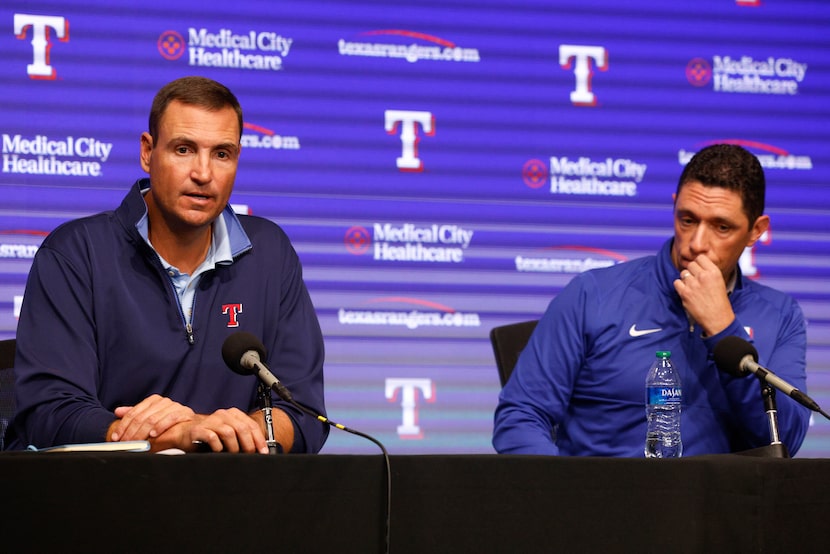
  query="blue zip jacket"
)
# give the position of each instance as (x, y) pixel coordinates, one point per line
(581, 378)
(101, 327)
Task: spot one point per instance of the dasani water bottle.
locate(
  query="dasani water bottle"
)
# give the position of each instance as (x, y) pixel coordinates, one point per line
(663, 399)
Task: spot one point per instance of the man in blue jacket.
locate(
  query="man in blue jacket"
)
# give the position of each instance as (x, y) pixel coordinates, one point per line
(578, 388)
(125, 312)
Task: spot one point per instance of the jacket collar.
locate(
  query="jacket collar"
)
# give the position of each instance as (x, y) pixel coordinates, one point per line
(133, 209)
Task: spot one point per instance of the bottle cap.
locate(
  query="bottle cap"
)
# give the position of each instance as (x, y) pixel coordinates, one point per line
(663, 354)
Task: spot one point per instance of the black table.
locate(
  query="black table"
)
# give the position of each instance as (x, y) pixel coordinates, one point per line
(140, 502)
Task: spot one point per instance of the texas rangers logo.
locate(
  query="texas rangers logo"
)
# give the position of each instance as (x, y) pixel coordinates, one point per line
(38, 27)
(232, 311)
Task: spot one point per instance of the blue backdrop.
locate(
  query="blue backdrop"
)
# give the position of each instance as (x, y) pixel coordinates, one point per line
(441, 167)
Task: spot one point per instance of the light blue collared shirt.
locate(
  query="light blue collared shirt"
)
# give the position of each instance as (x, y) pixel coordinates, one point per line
(185, 285)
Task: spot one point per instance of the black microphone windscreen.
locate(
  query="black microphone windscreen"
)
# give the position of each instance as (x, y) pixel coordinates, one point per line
(729, 353)
(235, 347)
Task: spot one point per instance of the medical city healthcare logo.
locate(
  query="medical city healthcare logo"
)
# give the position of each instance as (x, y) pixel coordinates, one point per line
(585, 176)
(252, 49)
(64, 156)
(171, 45)
(407, 242)
(699, 72)
(407, 45)
(747, 75)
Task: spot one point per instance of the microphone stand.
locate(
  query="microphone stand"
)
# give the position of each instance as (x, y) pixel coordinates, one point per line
(264, 393)
(776, 448)
(768, 394)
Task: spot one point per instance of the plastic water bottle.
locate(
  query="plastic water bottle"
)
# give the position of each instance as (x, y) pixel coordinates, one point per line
(663, 399)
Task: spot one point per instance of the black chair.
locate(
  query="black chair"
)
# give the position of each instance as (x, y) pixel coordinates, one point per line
(508, 342)
(7, 402)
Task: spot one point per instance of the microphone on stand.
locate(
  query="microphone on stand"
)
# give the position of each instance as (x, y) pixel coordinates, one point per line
(243, 356)
(737, 357)
(243, 353)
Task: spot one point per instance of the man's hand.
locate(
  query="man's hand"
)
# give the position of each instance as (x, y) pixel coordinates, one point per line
(230, 430)
(703, 292)
(148, 419)
(168, 424)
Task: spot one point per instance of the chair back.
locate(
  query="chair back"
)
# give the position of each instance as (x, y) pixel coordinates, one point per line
(508, 342)
(7, 401)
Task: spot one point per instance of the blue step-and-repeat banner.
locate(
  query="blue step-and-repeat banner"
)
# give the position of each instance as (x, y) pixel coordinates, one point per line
(442, 167)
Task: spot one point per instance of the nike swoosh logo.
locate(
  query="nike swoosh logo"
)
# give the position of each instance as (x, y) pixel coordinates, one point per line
(634, 332)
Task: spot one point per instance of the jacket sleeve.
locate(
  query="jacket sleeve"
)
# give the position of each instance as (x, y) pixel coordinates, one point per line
(536, 397)
(297, 350)
(783, 351)
(57, 379)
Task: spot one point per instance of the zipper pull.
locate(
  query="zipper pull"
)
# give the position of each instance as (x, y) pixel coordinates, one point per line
(189, 330)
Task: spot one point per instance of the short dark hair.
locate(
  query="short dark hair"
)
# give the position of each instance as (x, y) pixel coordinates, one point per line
(195, 91)
(732, 167)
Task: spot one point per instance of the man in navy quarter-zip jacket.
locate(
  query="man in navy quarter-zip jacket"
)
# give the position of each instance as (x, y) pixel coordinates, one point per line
(125, 312)
(578, 389)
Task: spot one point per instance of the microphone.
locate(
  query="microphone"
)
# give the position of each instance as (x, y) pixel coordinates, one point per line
(243, 353)
(735, 356)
